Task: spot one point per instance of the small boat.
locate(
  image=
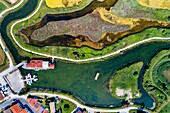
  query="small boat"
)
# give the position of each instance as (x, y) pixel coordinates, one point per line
(97, 76)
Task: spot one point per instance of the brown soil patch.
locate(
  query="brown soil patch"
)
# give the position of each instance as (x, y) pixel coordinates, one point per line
(166, 74)
(2, 55)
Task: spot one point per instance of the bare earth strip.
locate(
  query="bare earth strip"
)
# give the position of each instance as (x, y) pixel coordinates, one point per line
(166, 74)
(2, 56)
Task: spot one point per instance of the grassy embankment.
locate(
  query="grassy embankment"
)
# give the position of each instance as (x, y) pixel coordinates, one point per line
(2, 7)
(154, 82)
(8, 5)
(4, 4)
(22, 53)
(166, 109)
(3, 60)
(86, 52)
(2, 56)
(126, 78)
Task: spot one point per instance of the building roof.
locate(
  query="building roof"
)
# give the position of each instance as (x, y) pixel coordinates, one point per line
(7, 111)
(39, 64)
(15, 108)
(1, 96)
(52, 66)
(79, 110)
(36, 105)
(32, 101)
(52, 107)
(35, 64)
(24, 111)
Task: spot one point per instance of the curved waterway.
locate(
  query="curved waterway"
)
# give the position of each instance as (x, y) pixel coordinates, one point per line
(79, 78)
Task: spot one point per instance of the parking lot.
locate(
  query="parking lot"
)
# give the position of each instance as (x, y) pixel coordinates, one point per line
(15, 81)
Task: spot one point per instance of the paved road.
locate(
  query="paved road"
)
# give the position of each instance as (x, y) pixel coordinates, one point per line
(5, 104)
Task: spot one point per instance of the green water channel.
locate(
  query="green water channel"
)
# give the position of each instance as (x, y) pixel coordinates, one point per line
(79, 78)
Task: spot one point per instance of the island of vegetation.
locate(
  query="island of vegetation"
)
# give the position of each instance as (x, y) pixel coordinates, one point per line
(124, 83)
(128, 21)
(156, 80)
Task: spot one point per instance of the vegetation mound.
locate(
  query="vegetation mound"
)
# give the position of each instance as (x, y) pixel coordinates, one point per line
(125, 80)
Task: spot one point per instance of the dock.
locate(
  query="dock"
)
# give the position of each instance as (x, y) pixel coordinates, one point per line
(97, 76)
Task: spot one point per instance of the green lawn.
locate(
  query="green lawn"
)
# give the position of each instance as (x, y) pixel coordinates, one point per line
(2, 7)
(160, 89)
(65, 105)
(126, 78)
(166, 109)
(4, 63)
(162, 62)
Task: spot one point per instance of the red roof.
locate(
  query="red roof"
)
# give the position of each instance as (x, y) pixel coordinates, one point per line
(1, 96)
(35, 64)
(15, 109)
(35, 105)
(79, 111)
(52, 66)
(31, 101)
(24, 111)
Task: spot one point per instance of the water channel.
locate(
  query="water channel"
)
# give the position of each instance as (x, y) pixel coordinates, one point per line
(79, 78)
